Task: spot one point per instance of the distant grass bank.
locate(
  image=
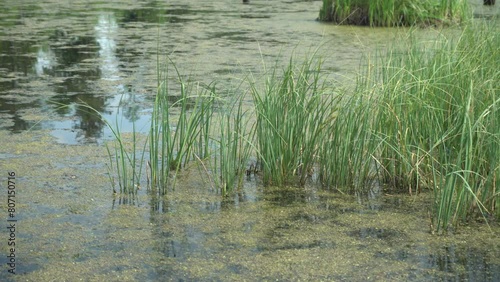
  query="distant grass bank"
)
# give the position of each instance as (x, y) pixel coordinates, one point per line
(393, 12)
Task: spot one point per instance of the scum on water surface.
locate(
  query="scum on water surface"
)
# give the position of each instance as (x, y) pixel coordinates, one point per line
(71, 226)
(104, 54)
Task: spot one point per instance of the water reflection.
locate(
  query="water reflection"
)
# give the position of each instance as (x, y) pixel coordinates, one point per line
(117, 104)
(104, 50)
(103, 54)
(106, 31)
(67, 69)
(45, 60)
(123, 200)
(461, 263)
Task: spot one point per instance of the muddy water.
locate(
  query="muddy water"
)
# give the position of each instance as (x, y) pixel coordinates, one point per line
(56, 54)
(70, 226)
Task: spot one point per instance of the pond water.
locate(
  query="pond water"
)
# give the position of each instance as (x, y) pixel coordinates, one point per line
(71, 227)
(55, 54)
(105, 53)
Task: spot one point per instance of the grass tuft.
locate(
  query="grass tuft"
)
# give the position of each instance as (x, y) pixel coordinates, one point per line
(174, 142)
(394, 12)
(420, 117)
(291, 112)
(438, 122)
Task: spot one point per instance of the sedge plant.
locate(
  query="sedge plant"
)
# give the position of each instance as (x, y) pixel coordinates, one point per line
(235, 145)
(394, 12)
(179, 129)
(438, 123)
(291, 111)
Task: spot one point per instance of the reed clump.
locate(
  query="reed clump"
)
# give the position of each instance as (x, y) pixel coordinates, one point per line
(234, 140)
(126, 162)
(175, 138)
(347, 147)
(423, 116)
(438, 122)
(393, 12)
(197, 124)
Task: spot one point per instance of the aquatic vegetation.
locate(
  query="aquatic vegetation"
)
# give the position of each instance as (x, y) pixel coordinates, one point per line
(422, 116)
(438, 122)
(258, 234)
(347, 146)
(173, 142)
(127, 164)
(291, 112)
(124, 162)
(235, 145)
(393, 12)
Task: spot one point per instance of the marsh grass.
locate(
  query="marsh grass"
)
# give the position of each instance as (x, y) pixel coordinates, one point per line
(174, 139)
(125, 163)
(235, 145)
(393, 12)
(438, 122)
(291, 111)
(423, 116)
(347, 146)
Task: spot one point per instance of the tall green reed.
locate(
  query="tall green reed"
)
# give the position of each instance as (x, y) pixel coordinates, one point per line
(438, 122)
(393, 12)
(347, 147)
(291, 112)
(126, 162)
(179, 129)
(471, 181)
(235, 145)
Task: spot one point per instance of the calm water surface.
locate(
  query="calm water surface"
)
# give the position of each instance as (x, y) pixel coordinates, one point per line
(56, 54)
(105, 54)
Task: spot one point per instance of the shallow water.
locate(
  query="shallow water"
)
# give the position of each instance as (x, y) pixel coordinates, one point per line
(71, 226)
(104, 53)
(55, 54)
